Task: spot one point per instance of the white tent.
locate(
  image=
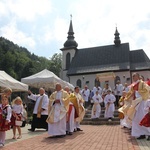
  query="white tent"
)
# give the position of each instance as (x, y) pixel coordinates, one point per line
(8, 81)
(45, 79)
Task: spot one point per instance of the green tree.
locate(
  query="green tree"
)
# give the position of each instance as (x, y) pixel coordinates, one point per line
(55, 65)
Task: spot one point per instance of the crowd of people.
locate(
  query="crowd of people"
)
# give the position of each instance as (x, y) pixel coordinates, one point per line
(61, 113)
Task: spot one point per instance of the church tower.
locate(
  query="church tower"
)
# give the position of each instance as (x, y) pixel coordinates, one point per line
(117, 40)
(68, 51)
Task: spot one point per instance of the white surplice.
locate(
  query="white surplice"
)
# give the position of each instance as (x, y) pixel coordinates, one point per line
(85, 94)
(109, 105)
(37, 99)
(96, 109)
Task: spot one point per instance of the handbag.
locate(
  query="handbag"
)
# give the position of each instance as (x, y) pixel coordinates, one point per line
(18, 122)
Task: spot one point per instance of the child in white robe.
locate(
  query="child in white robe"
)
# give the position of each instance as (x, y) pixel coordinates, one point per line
(96, 109)
(109, 105)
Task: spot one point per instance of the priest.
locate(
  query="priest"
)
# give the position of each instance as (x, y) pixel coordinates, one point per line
(58, 108)
(40, 112)
(139, 92)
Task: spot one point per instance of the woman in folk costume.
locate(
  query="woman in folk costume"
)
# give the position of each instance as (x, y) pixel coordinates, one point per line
(17, 112)
(109, 105)
(40, 111)
(146, 120)
(96, 109)
(6, 93)
(5, 116)
(58, 108)
(81, 109)
(139, 92)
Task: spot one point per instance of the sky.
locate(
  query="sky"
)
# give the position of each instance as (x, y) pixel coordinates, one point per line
(41, 26)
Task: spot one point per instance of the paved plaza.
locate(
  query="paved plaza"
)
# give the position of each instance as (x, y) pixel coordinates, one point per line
(104, 137)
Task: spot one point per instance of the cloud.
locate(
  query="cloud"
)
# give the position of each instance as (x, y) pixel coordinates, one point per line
(11, 32)
(26, 10)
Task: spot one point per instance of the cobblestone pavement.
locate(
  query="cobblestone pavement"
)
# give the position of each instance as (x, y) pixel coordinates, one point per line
(102, 137)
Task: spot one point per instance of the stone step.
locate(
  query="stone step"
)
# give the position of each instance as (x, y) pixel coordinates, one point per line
(101, 119)
(102, 115)
(103, 110)
(100, 122)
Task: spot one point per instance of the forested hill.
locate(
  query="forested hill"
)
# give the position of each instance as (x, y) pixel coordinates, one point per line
(18, 62)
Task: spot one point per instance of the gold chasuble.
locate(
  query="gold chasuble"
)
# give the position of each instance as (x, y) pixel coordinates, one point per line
(63, 106)
(143, 89)
(81, 109)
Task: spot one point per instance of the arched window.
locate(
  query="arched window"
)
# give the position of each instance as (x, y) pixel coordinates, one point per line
(67, 60)
(116, 79)
(97, 82)
(78, 83)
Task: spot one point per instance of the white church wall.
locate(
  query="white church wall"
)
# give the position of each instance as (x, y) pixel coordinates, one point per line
(90, 79)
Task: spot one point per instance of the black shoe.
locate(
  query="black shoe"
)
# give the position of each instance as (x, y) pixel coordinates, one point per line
(67, 133)
(141, 137)
(70, 133)
(78, 129)
(148, 139)
(52, 137)
(32, 130)
(60, 136)
(75, 130)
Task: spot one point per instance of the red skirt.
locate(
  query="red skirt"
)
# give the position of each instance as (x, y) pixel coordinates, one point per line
(13, 119)
(3, 126)
(145, 121)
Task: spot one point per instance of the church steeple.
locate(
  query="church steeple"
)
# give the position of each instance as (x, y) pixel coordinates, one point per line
(70, 41)
(117, 40)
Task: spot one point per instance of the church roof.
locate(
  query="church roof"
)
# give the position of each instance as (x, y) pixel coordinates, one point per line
(100, 59)
(139, 60)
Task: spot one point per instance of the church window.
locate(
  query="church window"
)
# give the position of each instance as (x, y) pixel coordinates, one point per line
(78, 83)
(67, 60)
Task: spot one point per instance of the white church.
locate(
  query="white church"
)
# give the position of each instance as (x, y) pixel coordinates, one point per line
(102, 64)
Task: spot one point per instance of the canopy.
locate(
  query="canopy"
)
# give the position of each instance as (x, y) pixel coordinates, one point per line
(45, 79)
(105, 76)
(8, 81)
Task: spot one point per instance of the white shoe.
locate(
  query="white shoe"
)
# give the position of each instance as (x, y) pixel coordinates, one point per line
(109, 120)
